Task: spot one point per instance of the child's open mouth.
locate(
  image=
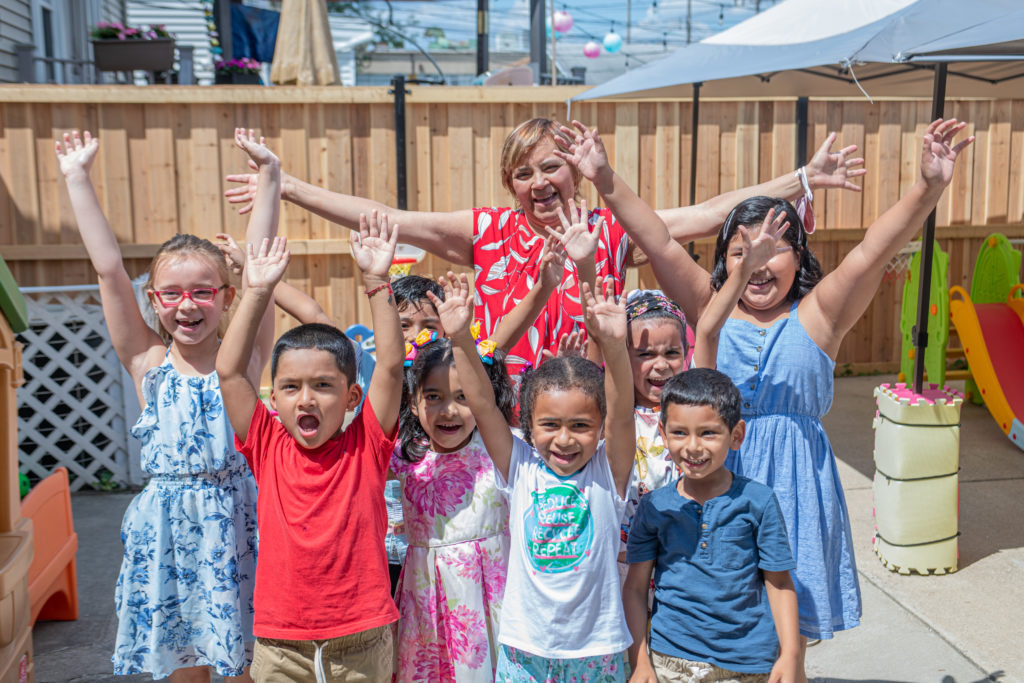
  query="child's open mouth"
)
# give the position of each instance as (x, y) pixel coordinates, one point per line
(698, 463)
(189, 324)
(562, 458)
(760, 283)
(657, 383)
(449, 428)
(308, 425)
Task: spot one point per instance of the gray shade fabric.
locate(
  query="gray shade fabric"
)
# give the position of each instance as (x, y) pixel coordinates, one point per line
(765, 56)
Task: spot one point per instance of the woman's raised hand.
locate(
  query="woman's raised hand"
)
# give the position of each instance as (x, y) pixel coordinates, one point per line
(576, 235)
(76, 155)
(761, 247)
(456, 311)
(582, 147)
(605, 314)
(571, 344)
(939, 155)
(257, 150)
(373, 248)
(828, 169)
(234, 257)
(265, 267)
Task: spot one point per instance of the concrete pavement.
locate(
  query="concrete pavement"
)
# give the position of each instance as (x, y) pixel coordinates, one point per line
(960, 628)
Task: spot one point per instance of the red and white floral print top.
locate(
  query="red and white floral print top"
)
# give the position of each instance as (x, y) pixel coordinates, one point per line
(506, 258)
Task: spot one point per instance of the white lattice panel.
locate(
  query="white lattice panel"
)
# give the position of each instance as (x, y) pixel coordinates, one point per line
(71, 409)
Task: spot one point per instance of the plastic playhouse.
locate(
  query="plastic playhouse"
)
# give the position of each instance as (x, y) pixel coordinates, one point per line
(15, 531)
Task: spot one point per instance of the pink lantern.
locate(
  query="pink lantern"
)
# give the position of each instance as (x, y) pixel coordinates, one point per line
(562, 21)
(592, 50)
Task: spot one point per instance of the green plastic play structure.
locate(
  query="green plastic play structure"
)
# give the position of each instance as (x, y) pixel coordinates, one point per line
(938, 318)
(996, 271)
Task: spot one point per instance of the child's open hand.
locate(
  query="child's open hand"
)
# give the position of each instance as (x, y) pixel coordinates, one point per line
(605, 316)
(456, 311)
(761, 246)
(938, 157)
(265, 267)
(76, 156)
(234, 257)
(576, 235)
(552, 263)
(373, 247)
(832, 169)
(572, 344)
(583, 149)
(257, 149)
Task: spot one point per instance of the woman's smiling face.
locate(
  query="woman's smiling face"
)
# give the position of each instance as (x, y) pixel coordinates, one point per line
(543, 184)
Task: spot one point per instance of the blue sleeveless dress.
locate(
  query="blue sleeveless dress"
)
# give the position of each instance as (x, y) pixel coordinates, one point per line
(184, 594)
(786, 383)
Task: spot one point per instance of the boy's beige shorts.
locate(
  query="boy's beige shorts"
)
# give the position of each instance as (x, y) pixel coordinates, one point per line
(364, 657)
(679, 670)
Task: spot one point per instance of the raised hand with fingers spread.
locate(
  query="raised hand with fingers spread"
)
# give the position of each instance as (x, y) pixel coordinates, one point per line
(828, 169)
(456, 311)
(259, 154)
(583, 148)
(939, 154)
(76, 155)
(373, 247)
(575, 234)
(265, 266)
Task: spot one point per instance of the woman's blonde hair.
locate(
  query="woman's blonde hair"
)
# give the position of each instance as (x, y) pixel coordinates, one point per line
(521, 141)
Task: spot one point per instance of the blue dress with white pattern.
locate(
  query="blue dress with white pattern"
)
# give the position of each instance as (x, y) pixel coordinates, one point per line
(184, 594)
(786, 381)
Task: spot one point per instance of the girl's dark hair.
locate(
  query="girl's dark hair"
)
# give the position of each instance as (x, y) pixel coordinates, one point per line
(415, 441)
(559, 374)
(412, 290)
(649, 304)
(751, 212)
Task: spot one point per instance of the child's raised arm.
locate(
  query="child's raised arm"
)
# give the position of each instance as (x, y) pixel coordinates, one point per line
(373, 250)
(134, 341)
(456, 313)
(754, 254)
(263, 270)
(262, 225)
(518, 321)
(839, 300)
(606, 325)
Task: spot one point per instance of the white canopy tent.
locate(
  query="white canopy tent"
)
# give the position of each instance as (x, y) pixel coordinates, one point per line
(807, 48)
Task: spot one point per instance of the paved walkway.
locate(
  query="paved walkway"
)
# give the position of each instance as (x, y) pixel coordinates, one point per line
(961, 628)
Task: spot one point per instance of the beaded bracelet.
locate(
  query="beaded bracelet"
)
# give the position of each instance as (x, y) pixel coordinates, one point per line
(386, 285)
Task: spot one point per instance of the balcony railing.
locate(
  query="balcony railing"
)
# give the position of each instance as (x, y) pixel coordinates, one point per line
(84, 71)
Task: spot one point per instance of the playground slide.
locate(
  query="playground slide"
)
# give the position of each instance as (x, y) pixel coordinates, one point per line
(993, 341)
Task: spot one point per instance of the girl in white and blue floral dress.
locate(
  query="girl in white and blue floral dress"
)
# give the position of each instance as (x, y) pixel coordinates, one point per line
(184, 594)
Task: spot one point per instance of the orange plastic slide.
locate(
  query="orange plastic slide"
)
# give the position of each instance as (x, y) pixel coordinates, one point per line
(993, 341)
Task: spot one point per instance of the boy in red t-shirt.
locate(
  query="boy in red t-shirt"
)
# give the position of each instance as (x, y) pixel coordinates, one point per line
(322, 599)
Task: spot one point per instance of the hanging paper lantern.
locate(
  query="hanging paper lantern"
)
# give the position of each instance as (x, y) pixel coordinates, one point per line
(562, 21)
(592, 50)
(612, 42)
(547, 29)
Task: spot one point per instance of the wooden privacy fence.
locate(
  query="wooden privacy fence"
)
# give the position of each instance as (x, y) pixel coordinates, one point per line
(165, 151)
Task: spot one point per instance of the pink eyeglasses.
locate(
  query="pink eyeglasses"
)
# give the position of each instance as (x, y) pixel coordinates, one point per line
(200, 296)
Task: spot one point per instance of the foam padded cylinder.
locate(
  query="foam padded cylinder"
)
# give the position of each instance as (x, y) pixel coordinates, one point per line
(917, 457)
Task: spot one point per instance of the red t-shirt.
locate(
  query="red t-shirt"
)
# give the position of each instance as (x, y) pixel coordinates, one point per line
(322, 571)
(506, 258)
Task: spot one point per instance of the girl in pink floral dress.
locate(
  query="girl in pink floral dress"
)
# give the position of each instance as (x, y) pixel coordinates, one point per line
(456, 523)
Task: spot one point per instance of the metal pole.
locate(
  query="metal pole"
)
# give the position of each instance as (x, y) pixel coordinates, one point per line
(398, 90)
(538, 55)
(689, 17)
(554, 35)
(801, 132)
(482, 37)
(694, 121)
(223, 20)
(925, 282)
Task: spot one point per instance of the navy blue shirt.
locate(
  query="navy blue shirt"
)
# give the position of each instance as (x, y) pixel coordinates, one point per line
(710, 603)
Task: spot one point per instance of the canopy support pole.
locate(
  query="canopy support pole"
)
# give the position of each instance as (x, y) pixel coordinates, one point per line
(399, 91)
(925, 281)
(694, 122)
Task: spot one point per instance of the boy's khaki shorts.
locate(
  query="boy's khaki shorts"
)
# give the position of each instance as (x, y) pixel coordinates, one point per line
(679, 670)
(364, 657)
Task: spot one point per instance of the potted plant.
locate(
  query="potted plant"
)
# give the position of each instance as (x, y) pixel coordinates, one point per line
(117, 47)
(244, 71)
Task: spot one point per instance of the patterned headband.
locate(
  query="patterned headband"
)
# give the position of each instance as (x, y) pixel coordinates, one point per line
(653, 300)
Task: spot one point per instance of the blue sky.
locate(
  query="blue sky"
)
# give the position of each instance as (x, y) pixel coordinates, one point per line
(651, 22)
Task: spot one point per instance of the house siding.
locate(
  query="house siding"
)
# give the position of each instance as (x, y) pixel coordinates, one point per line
(15, 27)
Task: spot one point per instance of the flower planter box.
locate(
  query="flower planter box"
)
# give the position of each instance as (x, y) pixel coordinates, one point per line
(130, 55)
(236, 79)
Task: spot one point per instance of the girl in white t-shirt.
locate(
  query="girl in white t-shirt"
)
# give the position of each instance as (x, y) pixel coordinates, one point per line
(567, 493)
